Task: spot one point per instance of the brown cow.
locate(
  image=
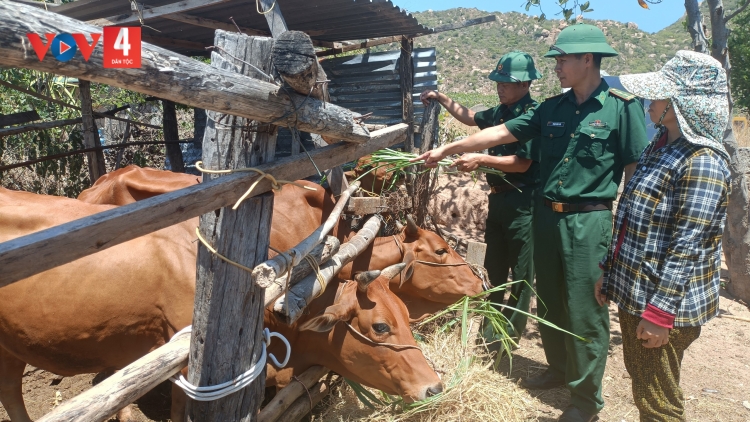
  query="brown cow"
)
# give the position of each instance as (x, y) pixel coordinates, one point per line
(436, 276)
(104, 311)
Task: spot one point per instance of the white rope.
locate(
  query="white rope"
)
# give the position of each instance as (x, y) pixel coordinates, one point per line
(214, 392)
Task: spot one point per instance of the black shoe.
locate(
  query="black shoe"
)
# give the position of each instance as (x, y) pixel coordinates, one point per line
(574, 414)
(547, 380)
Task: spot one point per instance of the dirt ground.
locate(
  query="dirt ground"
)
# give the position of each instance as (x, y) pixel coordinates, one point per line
(715, 378)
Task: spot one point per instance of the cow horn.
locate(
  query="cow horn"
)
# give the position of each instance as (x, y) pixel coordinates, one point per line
(411, 226)
(393, 270)
(364, 279)
(399, 226)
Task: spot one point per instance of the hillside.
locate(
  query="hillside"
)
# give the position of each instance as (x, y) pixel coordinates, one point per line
(466, 56)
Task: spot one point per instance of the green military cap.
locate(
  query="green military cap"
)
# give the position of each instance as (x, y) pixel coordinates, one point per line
(515, 66)
(581, 38)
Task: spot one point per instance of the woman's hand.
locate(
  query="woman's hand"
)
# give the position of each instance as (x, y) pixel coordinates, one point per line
(652, 334)
(600, 298)
(469, 162)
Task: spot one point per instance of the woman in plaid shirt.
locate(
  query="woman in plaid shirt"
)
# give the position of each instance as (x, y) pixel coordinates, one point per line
(663, 266)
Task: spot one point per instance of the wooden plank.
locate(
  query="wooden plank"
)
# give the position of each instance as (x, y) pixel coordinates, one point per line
(18, 118)
(70, 241)
(406, 72)
(212, 24)
(272, 12)
(290, 307)
(198, 85)
(267, 272)
(357, 46)
(304, 404)
(286, 397)
(169, 122)
(475, 252)
(366, 205)
(97, 167)
(103, 400)
(156, 12)
(38, 126)
(228, 312)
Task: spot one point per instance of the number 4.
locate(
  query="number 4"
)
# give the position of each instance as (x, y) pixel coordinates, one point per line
(121, 43)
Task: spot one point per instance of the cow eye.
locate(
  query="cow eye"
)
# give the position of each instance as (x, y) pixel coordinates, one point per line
(441, 251)
(381, 328)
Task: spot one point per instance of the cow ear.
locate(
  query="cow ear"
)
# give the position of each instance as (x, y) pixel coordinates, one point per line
(408, 270)
(411, 227)
(332, 315)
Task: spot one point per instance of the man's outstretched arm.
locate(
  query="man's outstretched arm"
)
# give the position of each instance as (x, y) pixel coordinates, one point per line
(496, 135)
(461, 113)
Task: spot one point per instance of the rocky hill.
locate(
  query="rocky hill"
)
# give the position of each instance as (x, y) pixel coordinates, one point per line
(466, 56)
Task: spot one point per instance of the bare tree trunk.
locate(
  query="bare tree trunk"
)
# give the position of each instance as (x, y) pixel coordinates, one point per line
(169, 123)
(736, 240)
(695, 26)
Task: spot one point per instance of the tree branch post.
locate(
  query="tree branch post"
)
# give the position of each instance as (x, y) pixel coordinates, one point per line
(169, 122)
(95, 159)
(228, 316)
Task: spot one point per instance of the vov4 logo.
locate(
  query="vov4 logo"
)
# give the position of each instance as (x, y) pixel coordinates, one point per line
(122, 46)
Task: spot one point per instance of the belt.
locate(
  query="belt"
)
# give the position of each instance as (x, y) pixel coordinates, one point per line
(579, 207)
(506, 187)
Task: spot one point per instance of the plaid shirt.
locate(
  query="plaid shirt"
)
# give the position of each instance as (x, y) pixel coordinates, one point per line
(674, 210)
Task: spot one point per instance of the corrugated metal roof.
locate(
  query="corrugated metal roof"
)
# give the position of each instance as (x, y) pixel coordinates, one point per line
(323, 20)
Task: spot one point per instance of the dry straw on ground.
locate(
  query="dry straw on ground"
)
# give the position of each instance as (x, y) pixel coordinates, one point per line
(475, 391)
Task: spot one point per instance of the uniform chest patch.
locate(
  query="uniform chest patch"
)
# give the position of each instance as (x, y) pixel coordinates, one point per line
(598, 123)
(556, 124)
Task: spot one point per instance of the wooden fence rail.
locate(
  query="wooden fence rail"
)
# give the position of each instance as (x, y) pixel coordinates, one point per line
(103, 400)
(173, 77)
(70, 241)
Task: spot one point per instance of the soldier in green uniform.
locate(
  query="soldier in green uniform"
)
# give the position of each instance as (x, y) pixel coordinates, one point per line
(590, 136)
(509, 234)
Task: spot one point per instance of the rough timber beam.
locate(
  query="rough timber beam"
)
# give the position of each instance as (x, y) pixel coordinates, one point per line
(70, 241)
(168, 75)
(156, 12)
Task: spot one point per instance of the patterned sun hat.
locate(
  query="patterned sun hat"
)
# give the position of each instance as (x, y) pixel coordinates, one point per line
(697, 85)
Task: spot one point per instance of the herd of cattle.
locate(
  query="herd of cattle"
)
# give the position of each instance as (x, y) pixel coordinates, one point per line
(106, 310)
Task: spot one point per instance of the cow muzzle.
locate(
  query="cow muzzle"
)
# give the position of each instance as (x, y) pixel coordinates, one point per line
(434, 390)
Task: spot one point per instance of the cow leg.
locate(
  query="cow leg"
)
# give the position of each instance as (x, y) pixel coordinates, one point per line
(11, 378)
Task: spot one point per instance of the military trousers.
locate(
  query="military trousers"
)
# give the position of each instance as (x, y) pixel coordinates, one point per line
(510, 248)
(568, 249)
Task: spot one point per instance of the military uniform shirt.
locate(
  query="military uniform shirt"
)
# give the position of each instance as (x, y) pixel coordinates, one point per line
(584, 148)
(499, 115)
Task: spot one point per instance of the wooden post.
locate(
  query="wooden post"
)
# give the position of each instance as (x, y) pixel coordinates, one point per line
(228, 316)
(429, 129)
(169, 122)
(199, 126)
(97, 168)
(406, 73)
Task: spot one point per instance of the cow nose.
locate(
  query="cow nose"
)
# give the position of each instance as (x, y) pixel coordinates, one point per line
(435, 390)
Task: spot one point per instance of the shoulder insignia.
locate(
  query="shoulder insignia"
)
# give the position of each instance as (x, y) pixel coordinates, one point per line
(529, 106)
(621, 94)
(554, 96)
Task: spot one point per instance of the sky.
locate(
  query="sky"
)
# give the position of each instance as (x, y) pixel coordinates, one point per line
(656, 18)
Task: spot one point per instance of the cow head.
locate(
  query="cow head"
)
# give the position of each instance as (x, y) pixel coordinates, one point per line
(434, 275)
(368, 326)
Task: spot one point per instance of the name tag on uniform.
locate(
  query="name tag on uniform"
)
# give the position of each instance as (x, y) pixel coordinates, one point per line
(598, 123)
(556, 124)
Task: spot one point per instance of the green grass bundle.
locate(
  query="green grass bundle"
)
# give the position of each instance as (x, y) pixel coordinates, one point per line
(398, 161)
